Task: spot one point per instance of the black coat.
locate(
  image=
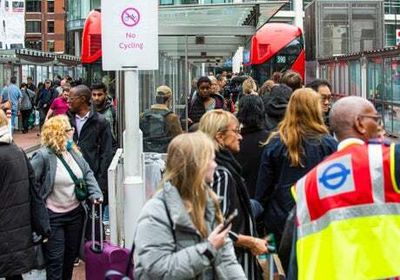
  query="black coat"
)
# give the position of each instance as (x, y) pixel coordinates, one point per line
(250, 155)
(95, 143)
(197, 110)
(276, 177)
(17, 254)
(230, 187)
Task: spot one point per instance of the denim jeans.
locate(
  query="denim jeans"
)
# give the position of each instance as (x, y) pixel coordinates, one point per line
(14, 118)
(62, 247)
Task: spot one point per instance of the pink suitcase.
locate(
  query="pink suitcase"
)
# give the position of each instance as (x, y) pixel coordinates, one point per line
(103, 256)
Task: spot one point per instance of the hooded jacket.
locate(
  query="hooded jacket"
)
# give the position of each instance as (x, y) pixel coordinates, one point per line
(275, 106)
(17, 253)
(172, 248)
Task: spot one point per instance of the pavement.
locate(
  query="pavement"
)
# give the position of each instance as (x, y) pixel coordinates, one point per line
(79, 274)
(29, 141)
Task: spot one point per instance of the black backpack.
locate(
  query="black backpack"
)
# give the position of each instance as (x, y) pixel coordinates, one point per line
(154, 127)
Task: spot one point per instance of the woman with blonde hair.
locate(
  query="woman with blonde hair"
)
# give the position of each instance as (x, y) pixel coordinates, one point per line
(179, 233)
(301, 142)
(223, 128)
(249, 86)
(61, 172)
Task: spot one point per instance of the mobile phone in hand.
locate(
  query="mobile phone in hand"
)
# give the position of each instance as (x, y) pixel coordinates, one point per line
(229, 220)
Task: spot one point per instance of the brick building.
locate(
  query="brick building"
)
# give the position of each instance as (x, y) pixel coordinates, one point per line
(45, 25)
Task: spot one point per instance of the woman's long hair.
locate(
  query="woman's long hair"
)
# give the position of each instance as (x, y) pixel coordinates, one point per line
(186, 167)
(303, 119)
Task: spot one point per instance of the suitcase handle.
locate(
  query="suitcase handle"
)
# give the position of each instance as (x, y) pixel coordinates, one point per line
(97, 247)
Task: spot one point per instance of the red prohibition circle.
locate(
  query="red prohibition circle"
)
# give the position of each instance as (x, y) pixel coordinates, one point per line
(130, 17)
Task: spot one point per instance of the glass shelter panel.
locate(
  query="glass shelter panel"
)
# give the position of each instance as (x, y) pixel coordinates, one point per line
(392, 73)
(355, 78)
(374, 75)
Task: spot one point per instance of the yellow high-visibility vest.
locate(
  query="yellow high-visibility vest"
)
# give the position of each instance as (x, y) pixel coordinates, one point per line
(348, 215)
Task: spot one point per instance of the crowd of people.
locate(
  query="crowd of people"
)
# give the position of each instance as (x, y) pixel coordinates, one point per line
(279, 153)
(61, 180)
(276, 159)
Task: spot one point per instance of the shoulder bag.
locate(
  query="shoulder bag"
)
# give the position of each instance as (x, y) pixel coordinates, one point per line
(81, 191)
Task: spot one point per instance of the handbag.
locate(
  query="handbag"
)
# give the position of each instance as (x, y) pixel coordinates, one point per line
(81, 191)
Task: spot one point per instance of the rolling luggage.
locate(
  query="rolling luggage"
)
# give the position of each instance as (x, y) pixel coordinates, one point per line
(103, 256)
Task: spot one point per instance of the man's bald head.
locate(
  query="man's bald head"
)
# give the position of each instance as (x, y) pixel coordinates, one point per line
(344, 116)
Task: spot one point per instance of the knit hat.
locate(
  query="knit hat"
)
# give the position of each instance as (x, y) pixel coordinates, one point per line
(164, 91)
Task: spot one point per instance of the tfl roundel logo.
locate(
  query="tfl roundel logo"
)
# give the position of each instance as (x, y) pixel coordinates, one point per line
(335, 177)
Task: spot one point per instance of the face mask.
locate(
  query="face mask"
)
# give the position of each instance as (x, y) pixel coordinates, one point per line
(69, 144)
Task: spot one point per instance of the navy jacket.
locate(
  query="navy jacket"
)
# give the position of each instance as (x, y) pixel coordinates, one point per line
(276, 177)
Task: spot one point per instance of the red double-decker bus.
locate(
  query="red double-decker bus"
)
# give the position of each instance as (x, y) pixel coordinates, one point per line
(276, 47)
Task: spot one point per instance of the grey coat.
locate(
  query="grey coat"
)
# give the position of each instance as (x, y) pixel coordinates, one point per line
(44, 163)
(165, 251)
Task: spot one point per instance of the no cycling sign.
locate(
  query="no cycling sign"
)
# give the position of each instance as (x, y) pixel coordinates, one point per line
(130, 34)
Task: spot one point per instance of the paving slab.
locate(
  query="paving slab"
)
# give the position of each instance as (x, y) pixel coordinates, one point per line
(27, 141)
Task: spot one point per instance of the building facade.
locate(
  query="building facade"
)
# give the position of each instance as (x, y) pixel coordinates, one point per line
(12, 29)
(45, 25)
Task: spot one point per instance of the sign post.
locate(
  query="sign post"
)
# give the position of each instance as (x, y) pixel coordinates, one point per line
(130, 43)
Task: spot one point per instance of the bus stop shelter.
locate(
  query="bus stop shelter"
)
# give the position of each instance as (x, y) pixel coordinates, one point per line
(191, 38)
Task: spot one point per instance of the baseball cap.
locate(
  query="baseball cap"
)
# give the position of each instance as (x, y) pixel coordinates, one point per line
(164, 91)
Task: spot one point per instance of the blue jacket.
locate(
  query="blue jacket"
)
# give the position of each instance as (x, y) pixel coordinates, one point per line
(276, 177)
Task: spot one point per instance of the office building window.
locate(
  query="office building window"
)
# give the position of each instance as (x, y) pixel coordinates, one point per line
(33, 6)
(178, 2)
(36, 45)
(50, 46)
(50, 6)
(33, 26)
(50, 27)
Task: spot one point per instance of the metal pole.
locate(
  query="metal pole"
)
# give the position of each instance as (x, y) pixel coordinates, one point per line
(298, 13)
(133, 161)
(186, 75)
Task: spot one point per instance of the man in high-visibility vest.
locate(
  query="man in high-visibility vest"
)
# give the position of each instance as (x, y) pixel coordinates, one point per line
(348, 206)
